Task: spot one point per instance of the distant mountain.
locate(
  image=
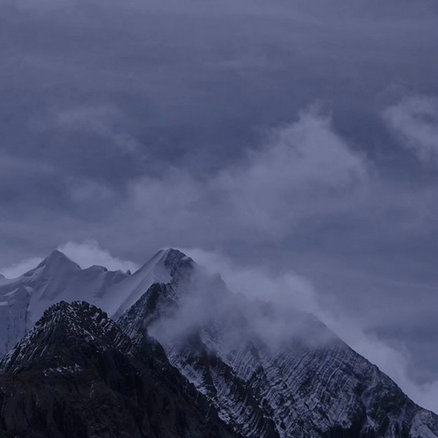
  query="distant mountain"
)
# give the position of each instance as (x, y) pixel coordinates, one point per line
(256, 370)
(57, 278)
(76, 374)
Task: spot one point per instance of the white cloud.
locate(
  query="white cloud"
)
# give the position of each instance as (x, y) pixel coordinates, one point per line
(90, 253)
(305, 170)
(288, 289)
(20, 268)
(306, 153)
(415, 121)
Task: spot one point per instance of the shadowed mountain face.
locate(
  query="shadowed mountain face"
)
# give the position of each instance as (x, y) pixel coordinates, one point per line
(78, 375)
(188, 358)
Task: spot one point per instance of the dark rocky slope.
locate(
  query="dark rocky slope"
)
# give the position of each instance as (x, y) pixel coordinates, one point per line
(77, 375)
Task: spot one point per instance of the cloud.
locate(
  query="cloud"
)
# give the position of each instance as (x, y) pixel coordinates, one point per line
(104, 121)
(304, 154)
(288, 289)
(415, 121)
(20, 268)
(90, 253)
(304, 170)
(208, 301)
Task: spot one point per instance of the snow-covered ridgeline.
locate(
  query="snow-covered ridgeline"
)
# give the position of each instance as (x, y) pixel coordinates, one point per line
(23, 300)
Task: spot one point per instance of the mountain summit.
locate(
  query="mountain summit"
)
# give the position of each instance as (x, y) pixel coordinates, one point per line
(57, 278)
(23, 300)
(165, 266)
(57, 260)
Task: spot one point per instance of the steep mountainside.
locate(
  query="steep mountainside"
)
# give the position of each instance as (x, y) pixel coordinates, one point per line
(76, 374)
(265, 371)
(308, 384)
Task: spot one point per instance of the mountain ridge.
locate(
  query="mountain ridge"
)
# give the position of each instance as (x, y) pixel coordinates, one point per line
(58, 278)
(265, 372)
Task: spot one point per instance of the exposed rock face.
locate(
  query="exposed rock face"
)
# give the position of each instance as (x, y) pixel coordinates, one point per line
(295, 389)
(78, 375)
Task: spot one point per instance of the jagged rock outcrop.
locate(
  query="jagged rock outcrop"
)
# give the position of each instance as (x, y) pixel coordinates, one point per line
(76, 374)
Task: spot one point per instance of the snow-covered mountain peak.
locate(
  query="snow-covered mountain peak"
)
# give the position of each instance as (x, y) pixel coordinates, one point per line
(168, 260)
(57, 256)
(174, 258)
(55, 265)
(166, 266)
(56, 262)
(23, 300)
(57, 278)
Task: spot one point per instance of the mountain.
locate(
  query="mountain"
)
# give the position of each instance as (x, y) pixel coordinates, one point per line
(269, 373)
(264, 371)
(57, 278)
(76, 374)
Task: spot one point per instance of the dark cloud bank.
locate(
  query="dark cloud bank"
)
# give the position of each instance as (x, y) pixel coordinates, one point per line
(301, 137)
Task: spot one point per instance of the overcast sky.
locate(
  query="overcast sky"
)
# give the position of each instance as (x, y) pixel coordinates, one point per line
(300, 136)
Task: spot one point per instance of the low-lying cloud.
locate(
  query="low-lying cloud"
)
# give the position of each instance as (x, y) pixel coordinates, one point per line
(255, 309)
